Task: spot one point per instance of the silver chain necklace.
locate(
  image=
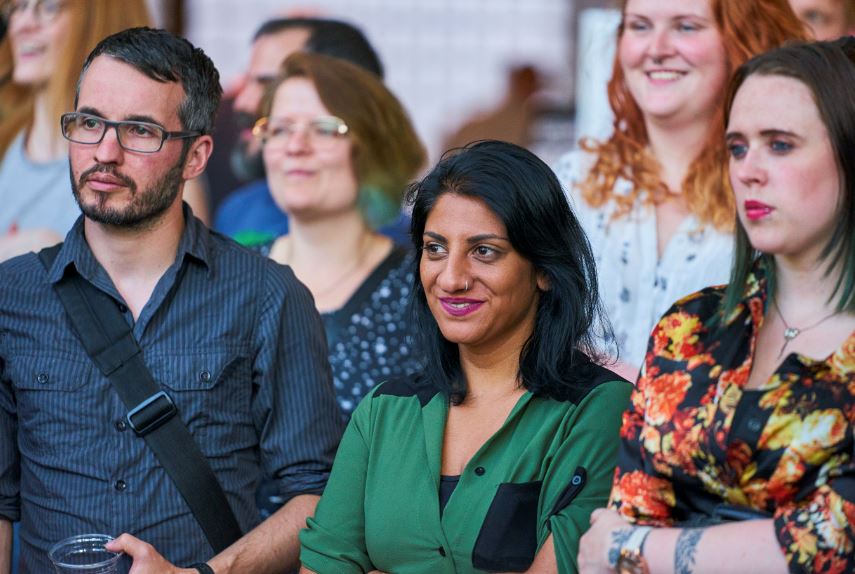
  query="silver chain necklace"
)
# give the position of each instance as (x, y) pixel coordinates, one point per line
(791, 333)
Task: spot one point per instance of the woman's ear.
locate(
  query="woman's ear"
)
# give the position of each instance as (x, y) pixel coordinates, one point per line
(543, 282)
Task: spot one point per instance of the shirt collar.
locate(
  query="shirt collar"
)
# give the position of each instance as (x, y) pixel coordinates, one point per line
(194, 242)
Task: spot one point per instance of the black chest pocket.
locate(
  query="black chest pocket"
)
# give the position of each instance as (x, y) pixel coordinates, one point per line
(507, 541)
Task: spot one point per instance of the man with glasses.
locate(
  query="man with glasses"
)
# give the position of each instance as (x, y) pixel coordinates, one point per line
(233, 339)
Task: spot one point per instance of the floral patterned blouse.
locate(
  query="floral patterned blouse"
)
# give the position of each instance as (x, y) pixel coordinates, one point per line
(694, 438)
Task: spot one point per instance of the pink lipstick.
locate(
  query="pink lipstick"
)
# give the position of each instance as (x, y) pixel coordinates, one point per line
(756, 210)
(460, 306)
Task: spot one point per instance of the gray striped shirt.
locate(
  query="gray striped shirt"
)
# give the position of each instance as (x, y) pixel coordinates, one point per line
(239, 346)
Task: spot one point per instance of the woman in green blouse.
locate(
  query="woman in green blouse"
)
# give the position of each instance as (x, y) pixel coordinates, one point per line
(495, 456)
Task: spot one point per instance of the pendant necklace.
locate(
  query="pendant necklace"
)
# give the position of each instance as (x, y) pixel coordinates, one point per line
(791, 333)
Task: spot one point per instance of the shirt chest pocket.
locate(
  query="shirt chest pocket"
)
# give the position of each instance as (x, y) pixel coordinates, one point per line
(507, 541)
(55, 392)
(208, 387)
(46, 371)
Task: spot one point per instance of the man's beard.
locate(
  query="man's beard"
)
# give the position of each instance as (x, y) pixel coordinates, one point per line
(245, 160)
(145, 208)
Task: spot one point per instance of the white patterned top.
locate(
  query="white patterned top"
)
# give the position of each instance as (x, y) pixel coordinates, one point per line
(637, 287)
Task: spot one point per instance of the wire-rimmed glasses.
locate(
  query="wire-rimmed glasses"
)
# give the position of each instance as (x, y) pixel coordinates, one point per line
(322, 131)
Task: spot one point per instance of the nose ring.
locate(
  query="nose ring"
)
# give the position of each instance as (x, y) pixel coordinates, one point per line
(466, 285)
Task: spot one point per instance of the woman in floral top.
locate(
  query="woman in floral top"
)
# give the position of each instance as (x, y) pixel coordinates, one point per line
(746, 400)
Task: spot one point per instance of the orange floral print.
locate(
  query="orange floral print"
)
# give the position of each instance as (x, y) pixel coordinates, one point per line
(669, 390)
(694, 436)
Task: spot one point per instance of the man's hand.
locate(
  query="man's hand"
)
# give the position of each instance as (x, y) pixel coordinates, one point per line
(147, 560)
(600, 547)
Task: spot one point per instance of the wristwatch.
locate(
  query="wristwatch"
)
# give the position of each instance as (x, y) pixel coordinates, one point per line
(631, 560)
(203, 568)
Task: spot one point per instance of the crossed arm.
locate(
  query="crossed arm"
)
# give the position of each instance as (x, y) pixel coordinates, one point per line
(739, 547)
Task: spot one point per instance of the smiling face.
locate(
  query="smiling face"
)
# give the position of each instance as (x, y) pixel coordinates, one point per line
(118, 187)
(827, 19)
(481, 291)
(673, 59)
(782, 168)
(310, 175)
(38, 42)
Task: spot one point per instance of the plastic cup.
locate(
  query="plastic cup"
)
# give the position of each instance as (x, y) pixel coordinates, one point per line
(84, 554)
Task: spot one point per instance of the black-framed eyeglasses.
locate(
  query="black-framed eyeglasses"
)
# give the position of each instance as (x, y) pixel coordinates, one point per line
(141, 137)
(45, 11)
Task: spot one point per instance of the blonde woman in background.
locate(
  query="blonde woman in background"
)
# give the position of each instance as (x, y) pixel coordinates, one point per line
(652, 199)
(44, 48)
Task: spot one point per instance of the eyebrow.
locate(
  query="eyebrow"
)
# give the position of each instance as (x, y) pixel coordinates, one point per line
(765, 133)
(132, 118)
(471, 240)
(672, 18)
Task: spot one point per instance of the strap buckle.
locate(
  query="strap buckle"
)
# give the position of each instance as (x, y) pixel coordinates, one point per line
(152, 413)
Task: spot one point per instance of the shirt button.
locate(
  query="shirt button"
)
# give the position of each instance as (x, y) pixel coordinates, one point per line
(121, 425)
(120, 485)
(205, 376)
(480, 471)
(754, 425)
(441, 551)
(122, 308)
(43, 378)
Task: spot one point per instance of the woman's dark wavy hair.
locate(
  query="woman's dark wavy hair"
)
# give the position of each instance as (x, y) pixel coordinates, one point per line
(828, 70)
(525, 194)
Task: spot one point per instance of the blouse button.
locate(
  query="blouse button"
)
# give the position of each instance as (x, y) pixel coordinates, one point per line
(43, 378)
(754, 425)
(480, 471)
(205, 376)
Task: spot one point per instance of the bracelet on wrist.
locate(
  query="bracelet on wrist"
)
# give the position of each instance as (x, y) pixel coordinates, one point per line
(631, 560)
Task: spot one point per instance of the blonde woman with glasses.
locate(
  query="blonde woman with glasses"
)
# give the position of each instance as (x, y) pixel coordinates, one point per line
(339, 151)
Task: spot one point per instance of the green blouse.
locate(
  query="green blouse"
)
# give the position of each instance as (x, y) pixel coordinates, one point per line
(544, 471)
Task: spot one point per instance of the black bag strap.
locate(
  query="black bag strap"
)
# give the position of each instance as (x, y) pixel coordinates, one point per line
(109, 341)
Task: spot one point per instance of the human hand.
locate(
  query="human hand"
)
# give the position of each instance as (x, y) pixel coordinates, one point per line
(147, 560)
(599, 548)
